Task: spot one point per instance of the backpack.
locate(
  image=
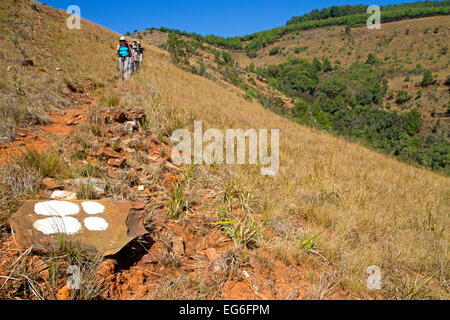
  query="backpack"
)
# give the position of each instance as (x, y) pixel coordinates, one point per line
(124, 51)
(141, 49)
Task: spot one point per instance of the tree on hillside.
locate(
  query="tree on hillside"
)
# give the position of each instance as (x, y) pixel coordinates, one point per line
(326, 65)
(178, 48)
(300, 111)
(274, 51)
(414, 122)
(317, 64)
(371, 59)
(402, 97)
(227, 58)
(427, 79)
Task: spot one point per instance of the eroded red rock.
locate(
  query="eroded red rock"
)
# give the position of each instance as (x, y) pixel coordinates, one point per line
(111, 154)
(149, 258)
(178, 245)
(211, 253)
(118, 163)
(106, 268)
(63, 294)
(50, 184)
(120, 116)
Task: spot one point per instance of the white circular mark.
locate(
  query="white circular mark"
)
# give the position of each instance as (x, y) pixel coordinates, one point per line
(54, 225)
(56, 208)
(96, 224)
(91, 207)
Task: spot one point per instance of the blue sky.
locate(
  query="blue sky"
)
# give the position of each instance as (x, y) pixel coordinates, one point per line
(223, 18)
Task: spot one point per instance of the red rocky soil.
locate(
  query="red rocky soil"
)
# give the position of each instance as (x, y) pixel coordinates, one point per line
(41, 137)
(188, 258)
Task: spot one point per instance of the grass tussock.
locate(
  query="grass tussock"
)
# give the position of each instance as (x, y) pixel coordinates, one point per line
(17, 184)
(177, 202)
(46, 164)
(41, 278)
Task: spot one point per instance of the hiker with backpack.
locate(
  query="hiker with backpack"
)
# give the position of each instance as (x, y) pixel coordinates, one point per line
(141, 52)
(135, 54)
(125, 55)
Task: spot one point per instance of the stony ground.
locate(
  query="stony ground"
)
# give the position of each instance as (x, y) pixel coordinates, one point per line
(189, 257)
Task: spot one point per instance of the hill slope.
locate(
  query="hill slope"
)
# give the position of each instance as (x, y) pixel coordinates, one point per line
(61, 64)
(372, 80)
(334, 209)
(400, 54)
(359, 198)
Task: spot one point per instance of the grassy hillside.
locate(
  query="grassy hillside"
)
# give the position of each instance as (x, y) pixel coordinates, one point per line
(334, 208)
(379, 95)
(347, 10)
(414, 38)
(62, 63)
(351, 16)
(367, 208)
(399, 56)
(389, 13)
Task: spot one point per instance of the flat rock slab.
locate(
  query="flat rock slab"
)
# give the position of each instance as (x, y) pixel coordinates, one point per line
(97, 226)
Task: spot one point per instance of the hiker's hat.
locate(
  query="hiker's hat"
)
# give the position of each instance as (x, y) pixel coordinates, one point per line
(122, 38)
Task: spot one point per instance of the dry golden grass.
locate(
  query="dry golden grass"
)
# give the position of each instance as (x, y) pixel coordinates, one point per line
(399, 46)
(367, 208)
(78, 58)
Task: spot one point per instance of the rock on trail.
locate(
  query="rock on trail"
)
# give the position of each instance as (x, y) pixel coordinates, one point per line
(101, 226)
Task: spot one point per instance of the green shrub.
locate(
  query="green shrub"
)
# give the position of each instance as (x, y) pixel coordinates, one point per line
(252, 54)
(252, 92)
(301, 111)
(317, 64)
(413, 122)
(402, 97)
(427, 79)
(199, 69)
(179, 49)
(177, 202)
(274, 51)
(326, 65)
(252, 68)
(227, 58)
(371, 59)
(46, 164)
